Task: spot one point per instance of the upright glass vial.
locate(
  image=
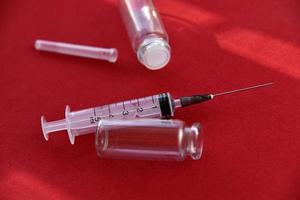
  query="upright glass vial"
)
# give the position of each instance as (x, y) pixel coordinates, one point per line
(146, 32)
(148, 139)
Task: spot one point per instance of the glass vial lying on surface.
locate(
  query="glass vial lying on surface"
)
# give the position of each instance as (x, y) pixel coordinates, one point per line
(148, 139)
(146, 32)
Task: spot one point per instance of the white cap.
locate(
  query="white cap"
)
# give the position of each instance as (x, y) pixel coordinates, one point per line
(154, 54)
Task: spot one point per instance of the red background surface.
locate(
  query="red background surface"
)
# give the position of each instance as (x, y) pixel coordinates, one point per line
(252, 140)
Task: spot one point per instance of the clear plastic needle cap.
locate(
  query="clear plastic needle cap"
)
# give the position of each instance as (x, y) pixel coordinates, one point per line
(110, 54)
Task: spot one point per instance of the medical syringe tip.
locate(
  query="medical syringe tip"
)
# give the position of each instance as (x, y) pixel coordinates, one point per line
(195, 99)
(191, 100)
(243, 89)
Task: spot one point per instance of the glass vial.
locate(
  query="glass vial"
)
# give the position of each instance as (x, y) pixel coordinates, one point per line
(148, 139)
(146, 32)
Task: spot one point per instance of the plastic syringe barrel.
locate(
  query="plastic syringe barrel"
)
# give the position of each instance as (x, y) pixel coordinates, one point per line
(85, 121)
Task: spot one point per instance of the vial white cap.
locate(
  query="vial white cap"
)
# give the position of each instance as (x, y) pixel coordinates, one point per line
(155, 54)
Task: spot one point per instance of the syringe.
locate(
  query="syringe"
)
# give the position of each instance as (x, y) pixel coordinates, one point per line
(157, 106)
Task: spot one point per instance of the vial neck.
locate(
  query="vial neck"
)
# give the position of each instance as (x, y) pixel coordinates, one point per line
(194, 141)
(154, 53)
(150, 38)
